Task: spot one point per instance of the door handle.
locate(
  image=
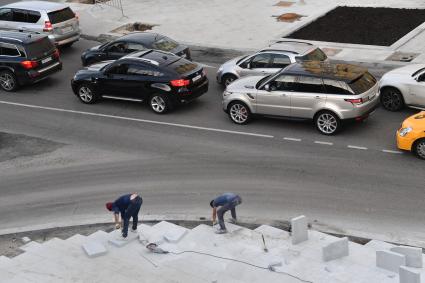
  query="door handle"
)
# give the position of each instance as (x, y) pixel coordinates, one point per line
(317, 97)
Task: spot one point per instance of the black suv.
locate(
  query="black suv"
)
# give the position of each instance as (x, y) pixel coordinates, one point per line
(162, 78)
(26, 58)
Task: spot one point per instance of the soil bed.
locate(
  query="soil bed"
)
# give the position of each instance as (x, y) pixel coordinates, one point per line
(360, 25)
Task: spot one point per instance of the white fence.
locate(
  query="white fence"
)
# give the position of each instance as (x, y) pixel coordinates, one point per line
(112, 3)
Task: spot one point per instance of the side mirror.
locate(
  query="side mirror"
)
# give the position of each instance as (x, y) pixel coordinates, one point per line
(248, 65)
(267, 87)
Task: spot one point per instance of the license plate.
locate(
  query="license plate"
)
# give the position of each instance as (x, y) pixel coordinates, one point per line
(196, 78)
(47, 60)
(66, 29)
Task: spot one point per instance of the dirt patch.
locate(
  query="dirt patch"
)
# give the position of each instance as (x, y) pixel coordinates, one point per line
(289, 17)
(402, 56)
(361, 25)
(13, 146)
(82, 1)
(132, 27)
(284, 4)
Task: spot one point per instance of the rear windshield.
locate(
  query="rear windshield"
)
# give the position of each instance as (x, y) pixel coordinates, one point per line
(38, 48)
(315, 55)
(363, 83)
(183, 66)
(61, 16)
(165, 44)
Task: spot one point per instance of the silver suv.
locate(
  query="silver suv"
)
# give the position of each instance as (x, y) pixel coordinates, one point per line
(55, 20)
(269, 60)
(327, 93)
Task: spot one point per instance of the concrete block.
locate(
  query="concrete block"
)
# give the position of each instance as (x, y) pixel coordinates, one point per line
(94, 249)
(335, 250)
(30, 246)
(413, 255)
(172, 233)
(390, 260)
(116, 239)
(299, 229)
(407, 275)
(26, 240)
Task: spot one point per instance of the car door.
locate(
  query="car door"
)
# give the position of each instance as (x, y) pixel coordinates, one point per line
(117, 83)
(6, 18)
(256, 65)
(309, 93)
(278, 62)
(417, 91)
(274, 98)
(115, 50)
(141, 77)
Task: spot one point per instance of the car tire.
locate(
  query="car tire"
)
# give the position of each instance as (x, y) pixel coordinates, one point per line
(327, 123)
(392, 99)
(8, 81)
(67, 45)
(228, 79)
(239, 113)
(87, 94)
(418, 148)
(160, 103)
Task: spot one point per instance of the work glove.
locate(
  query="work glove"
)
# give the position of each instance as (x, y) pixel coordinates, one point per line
(117, 226)
(214, 223)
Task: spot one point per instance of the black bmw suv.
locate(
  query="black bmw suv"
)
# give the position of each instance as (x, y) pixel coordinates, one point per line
(163, 79)
(26, 58)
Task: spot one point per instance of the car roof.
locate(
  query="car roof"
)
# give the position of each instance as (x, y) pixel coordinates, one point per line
(155, 57)
(37, 6)
(20, 37)
(294, 47)
(145, 37)
(326, 70)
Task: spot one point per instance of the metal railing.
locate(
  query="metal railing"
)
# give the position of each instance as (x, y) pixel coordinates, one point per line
(112, 3)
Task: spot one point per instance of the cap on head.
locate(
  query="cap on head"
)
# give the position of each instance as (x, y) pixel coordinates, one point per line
(109, 206)
(212, 203)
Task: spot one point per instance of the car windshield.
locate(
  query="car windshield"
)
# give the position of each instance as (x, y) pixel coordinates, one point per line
(183, 66)
(165, 44)
(363, 83)
(315, 55)
(39, 48)
(61, 15)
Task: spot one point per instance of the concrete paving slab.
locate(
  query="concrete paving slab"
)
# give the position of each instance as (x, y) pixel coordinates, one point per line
(116, 239)
(414, 256)
(377, 245)
(336, 250)
(94, 249)
(299, 229)
(30, 245)
(171, 232)
(272, 232)
(390, 260)
(409, 275)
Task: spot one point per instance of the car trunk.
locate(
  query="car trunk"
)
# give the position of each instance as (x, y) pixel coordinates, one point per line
(63, 21)
(43, 52)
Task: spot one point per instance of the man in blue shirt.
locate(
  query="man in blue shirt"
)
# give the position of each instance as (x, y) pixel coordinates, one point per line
(128, 206)
(220, 205)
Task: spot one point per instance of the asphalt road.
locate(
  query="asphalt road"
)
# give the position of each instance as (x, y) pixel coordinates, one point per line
(350, 183)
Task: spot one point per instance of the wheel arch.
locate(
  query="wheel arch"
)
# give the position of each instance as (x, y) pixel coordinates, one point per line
(241, 100)
(403, 90)
(321, 110)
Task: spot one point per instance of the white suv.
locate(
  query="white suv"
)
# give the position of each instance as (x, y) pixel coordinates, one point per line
(55, 20)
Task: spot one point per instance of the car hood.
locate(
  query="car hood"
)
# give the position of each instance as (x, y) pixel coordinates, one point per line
(416, 121)
(406, 70)
(95, 68)
(94, 48)
(244, 84)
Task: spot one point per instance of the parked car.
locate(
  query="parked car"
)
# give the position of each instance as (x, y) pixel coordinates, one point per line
(132, 42)
(269, 60)
(26, 58)
(402, 87)
(55, 20)
(163, 79)
(327, 93)
(411, 135)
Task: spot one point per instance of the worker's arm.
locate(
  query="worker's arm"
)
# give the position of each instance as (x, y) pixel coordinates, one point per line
(214, 215)
(117, 221)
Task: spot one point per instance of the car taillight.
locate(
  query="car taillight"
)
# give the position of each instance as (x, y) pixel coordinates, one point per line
(77, 16)
(29, 64)
(204, 73)
(180, 83)
(56, 54)
(355, 101)
(48, 26)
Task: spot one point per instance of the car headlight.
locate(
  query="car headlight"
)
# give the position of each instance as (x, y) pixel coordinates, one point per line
(226, 93)
(221, 68)
(405, 131)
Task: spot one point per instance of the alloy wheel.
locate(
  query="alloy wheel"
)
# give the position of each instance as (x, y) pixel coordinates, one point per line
(158, 104)
(420, 149)
(85, 94)
(228, 80)
(391, 100)
(239, 113)
(327, 123)
(7, 81)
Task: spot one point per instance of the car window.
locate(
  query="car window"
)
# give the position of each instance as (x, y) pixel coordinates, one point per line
(6, 14)
(120, 69)
(143, 70)
(33, 16)
(336, 87)
(261, 61)
(363, 83)
(7, 49)
(165, 44)
(39, 48)
(61, 15)
(19, 16)
(117, 47)
(280, 61)
(310, 84)
(315, 55)
(133, 47)
(284, 83)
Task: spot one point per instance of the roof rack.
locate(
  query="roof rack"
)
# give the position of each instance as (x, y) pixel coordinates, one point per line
(153, 62)
(19, 30)
(279, 50)
(290, 41)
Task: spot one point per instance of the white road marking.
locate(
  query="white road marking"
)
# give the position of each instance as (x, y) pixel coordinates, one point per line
(137, 120)
(357, 147)
(207, 66)
(324, 143)
(292, 139)
(392, 151)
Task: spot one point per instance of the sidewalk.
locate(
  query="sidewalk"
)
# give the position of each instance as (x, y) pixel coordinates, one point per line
(244, 25)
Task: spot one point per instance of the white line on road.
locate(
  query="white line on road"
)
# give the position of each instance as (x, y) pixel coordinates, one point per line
(324, 143)
(136, 120)
(292, 139)
(392, 151)
(357, 147)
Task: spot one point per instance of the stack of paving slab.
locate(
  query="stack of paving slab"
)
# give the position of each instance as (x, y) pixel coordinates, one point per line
(200, 255)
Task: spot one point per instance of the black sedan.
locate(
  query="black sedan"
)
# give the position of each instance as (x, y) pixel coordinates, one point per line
(163, 79)
(132, 42)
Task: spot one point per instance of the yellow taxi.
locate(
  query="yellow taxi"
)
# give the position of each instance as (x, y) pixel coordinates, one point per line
(411, 135)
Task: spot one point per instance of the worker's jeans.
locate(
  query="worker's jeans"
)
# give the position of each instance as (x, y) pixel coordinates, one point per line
(132, 211)
(223, 209)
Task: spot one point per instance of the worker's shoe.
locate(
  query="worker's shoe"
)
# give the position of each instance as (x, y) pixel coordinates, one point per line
(221, 231)
(233, 220)
(133, 230)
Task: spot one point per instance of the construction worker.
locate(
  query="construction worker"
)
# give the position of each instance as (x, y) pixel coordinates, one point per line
(127, 206)
(220, 205)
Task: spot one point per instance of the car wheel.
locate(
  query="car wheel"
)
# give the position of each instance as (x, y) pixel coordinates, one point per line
(160, 103)
(327, 123)
(8, 81)
(228, 79)
(239, 113)
(419, 148)
(67, 45)
(87, 94)
(391, 99)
